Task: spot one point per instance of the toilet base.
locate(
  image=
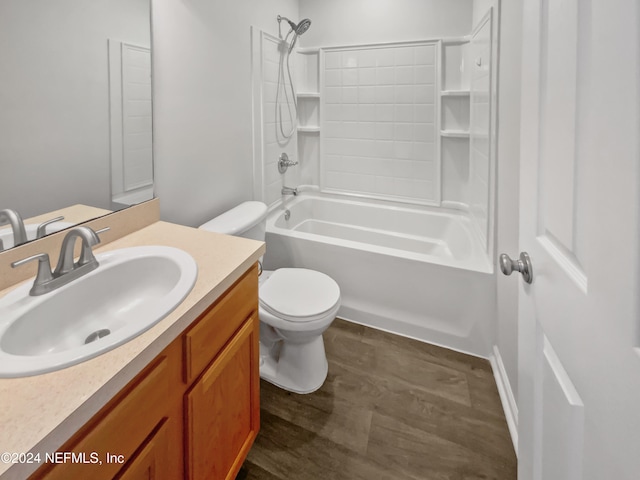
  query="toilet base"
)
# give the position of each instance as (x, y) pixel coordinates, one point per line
(295, 367)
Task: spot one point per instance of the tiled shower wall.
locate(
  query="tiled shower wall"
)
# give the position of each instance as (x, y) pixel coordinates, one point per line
(273, 142)
(379, 122)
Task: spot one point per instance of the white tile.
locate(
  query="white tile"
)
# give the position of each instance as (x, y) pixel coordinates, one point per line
(425, 74)
(350, 76)
(421, 170)
(366, 58)
(367, 130)
(385, 75)
(403, 150)
(403, 131)
(425, 94)
(350, 113)
(333, 179)
(350, 147)
(332, 162)
(384, 94)
(349, 94)
(333, 95)
(384, 185)
(366, 94)
(333, 112)
(425, 132)
(404, 93)
(383, 149)
(270, 93)
(333, 130)
(404, 75)
(424, 151)
(384, 113)
(403, 187)
(403, 113)
(348, 165)
(367, 148)
(349, 59)
(403, 168)
(366, 76)
(365, 183)
(403, 56)
(367, 112)
(350, 130)
(384, 131)
(333, 60)
(333, 78)
(384, 57)
(425, 55)
(333, 146)
(425, 113)
(388, 167)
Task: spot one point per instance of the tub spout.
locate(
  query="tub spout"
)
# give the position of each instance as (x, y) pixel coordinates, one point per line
(289, 191)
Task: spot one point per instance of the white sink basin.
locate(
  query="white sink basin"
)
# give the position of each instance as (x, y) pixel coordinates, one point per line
(131, 290)
(6, 234)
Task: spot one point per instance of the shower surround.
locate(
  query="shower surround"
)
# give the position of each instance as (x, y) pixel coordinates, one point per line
(395, 149)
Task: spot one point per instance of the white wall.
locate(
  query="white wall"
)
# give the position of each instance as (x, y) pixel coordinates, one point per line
(348, 22)
(54, 100)
(202, 102)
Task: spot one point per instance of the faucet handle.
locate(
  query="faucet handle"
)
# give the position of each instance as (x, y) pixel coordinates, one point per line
(44, 269)
(42, 228)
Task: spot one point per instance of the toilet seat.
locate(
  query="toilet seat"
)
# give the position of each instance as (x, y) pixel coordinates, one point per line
(299, 295)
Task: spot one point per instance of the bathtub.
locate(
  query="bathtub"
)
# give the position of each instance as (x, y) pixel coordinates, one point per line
(415, 271)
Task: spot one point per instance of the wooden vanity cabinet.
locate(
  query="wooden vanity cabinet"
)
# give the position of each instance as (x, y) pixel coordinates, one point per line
(193, 412)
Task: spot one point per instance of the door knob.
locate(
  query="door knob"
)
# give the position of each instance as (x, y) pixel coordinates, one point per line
(522, 265)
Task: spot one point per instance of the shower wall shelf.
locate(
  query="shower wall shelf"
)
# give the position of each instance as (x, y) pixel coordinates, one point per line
(308, 129)
(455, 93)
(454, 133)
(308, 95)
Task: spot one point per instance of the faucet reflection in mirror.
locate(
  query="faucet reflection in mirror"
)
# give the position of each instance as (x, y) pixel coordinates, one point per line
(67, 270)
(17, 226)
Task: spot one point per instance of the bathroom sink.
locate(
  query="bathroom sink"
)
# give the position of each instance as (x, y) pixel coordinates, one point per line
(6, 234)
(131, 290)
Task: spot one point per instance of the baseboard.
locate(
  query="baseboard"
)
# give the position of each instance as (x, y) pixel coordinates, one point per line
(509, 404)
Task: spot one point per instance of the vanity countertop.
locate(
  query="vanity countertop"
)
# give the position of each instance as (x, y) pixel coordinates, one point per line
(39, 413)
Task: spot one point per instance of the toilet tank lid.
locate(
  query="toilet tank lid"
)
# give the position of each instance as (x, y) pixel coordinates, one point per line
(237, 220)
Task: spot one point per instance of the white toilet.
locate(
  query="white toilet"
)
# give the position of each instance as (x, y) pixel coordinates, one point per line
(296, 306)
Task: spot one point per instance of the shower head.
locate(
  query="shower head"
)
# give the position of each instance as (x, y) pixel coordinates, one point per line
(299, 28)
(303, 26)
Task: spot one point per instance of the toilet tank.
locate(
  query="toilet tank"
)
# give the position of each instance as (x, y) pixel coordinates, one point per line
(248, 220)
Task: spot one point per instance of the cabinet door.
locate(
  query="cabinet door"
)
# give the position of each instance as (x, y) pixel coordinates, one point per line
(151, 462)
(223, 409)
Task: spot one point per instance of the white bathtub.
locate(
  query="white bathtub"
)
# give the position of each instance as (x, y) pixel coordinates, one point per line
(414, 271)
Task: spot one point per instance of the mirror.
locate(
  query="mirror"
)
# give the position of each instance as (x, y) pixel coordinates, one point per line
(75, 108)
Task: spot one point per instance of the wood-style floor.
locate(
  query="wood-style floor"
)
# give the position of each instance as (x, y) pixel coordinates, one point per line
(391, 408)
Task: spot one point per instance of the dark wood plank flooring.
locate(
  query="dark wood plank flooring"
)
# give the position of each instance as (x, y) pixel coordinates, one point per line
(391, 408)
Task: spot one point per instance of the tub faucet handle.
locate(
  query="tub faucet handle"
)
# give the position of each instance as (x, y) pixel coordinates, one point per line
(284, 163)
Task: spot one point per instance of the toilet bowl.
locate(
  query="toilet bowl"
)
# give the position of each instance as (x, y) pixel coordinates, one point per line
(296, 306)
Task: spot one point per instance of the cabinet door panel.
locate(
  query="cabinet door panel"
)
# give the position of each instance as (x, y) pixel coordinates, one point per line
(151, 462)
(223, 409)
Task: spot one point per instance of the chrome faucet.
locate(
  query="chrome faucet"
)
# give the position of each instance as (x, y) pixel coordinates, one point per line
(17, 225)
(67, 270)
(289, 191)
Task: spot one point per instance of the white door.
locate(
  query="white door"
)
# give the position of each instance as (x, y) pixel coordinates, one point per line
(579, 328)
